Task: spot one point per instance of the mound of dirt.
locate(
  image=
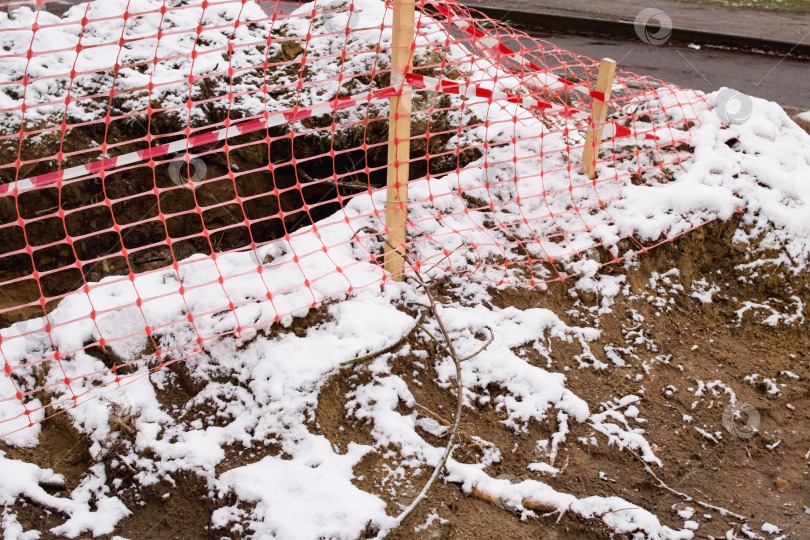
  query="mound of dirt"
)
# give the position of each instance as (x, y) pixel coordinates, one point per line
(693, 329)
(685, 363)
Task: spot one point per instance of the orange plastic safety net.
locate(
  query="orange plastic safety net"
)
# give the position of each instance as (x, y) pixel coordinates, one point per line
(172, 171)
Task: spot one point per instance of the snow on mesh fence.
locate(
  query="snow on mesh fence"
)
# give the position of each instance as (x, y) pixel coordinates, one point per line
(172, 171)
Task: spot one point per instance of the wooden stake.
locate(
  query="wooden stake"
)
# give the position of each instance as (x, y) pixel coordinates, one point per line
(399, 136)
(604, 82)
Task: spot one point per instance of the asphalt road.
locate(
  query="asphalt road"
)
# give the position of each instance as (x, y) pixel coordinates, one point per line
(714, 18)
(782, 80)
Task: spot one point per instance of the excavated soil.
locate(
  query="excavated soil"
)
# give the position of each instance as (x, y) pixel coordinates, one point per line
(764, 478)
(682, 345)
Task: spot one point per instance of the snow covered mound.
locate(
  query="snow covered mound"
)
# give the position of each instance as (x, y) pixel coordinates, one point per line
(265, 391)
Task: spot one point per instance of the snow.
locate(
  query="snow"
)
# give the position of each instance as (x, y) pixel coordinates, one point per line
(703, 290)
(431, 518)
(775, 317)
(544, 468)
(530, 390)
(687, 512)
(276, 388)
(265, 386)
(613, 423)
(691, 525)
(309, 495)
(22, 479)
(617, 513)
(13, 530)
(769, 528)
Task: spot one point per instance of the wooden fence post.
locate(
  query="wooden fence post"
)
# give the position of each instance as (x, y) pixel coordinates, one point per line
(599, 108)
(399, 137)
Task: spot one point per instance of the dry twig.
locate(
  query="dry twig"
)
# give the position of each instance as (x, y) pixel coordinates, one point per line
(385, 533)
(388, 349)
(468, 439)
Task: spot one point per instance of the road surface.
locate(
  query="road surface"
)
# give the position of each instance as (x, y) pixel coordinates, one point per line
(777, 79)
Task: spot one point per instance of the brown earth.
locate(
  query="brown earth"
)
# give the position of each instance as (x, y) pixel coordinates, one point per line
(752, 477)
(794, 113)
(764, 478)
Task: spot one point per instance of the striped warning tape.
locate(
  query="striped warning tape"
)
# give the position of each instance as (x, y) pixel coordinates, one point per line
(495, 48)
(470, 90)
(446, 86)
(268, 120)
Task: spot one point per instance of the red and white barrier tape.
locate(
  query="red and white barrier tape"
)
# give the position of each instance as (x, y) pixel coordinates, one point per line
(269, 120)
(616, 131)
(471, 90)
(498, 50)
(446, 86)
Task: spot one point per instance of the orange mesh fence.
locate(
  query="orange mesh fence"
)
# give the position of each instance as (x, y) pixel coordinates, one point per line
(173, 171)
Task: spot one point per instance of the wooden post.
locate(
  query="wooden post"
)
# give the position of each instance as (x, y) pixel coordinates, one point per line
(604, 82)
(399, 137)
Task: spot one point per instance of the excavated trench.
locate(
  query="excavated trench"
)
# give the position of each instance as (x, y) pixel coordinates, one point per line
(278, 180)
